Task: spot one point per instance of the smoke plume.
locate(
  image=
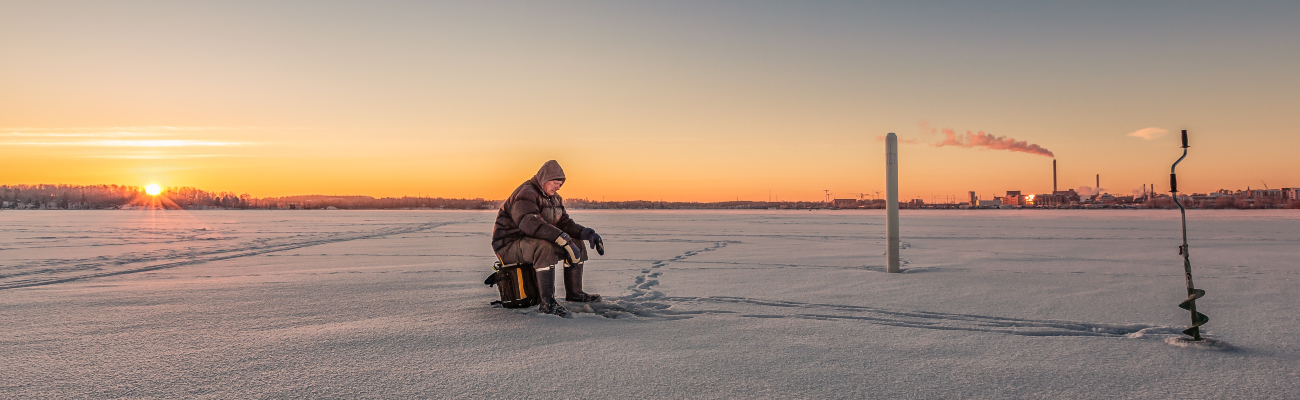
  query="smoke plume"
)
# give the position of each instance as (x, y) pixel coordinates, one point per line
(985, 141)
(1089, 191)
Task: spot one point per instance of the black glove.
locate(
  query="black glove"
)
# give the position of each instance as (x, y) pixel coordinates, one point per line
(572, 249)
(590, 236)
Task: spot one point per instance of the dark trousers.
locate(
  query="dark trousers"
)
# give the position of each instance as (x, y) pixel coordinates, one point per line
(538, 252)
(543, 255)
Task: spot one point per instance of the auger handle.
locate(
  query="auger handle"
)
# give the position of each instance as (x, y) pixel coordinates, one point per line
(1173, 179)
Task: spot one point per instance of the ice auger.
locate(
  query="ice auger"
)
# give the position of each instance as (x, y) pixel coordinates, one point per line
(1193, 293)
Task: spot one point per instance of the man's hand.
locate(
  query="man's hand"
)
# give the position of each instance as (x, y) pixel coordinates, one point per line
(572, 249)
(590, 235)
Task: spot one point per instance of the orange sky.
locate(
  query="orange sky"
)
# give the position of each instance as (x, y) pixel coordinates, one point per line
(703, 102)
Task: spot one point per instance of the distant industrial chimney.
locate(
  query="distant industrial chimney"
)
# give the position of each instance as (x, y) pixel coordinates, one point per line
(1053, 175)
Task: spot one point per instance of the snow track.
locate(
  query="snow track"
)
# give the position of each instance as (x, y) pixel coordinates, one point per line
(641, 289)
(930, 320)
(646, 301)
(54, 271)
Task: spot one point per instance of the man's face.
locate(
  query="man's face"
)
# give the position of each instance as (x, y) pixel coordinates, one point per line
(550, 187)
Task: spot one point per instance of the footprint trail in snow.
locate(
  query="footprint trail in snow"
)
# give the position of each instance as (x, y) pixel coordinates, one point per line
(645, 301)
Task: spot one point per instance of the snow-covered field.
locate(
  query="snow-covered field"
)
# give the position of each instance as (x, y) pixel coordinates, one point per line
(699, 304)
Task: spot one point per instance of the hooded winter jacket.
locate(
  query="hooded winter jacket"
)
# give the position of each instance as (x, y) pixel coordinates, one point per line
(529, 212)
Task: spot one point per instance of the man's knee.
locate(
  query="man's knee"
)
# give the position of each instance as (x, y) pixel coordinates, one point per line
(539, 252)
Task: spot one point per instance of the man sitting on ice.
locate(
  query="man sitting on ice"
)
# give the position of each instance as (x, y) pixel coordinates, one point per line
(532, 227)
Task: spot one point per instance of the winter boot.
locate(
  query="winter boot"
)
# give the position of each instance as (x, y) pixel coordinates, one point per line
(546, 289)
(573, 285)
(550, 306)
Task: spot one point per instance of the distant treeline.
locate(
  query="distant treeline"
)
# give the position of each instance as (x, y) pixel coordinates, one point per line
(370, 203)
(690, 205)
(96, 197)
(67, 196)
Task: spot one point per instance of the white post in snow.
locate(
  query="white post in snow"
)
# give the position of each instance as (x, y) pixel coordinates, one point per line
(891, 201)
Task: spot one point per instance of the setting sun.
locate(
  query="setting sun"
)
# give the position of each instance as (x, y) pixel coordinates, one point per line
(153, 189)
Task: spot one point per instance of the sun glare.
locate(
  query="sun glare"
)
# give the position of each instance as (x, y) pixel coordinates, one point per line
(153, 189)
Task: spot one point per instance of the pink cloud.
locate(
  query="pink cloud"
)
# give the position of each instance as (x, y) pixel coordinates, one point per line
(1149, 133)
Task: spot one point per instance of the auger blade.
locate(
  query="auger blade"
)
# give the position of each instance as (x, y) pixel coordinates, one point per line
(1200, 319)
(1191, 298)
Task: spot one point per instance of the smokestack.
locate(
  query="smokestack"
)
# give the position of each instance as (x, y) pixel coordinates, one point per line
(1098, 183)
(1053, 176)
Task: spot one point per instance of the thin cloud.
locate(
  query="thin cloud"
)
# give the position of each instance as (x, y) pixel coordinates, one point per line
(159, 156)
(132, 129)
(118, 136)
(129, 143)
(85, 135)
(1149, 133)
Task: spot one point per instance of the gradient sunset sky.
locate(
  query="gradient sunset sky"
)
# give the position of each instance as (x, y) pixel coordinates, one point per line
(679, 101)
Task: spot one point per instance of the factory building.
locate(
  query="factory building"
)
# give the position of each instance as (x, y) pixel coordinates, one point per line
(846, 203)
(1014, 198)
(1057, 198)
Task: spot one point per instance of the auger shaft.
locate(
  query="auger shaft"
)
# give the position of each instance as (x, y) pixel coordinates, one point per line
(1193, 293)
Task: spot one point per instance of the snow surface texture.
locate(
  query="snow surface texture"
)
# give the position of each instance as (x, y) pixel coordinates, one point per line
(699, 304)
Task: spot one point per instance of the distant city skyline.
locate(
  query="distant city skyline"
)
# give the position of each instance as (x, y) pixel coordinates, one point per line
(648, 100)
